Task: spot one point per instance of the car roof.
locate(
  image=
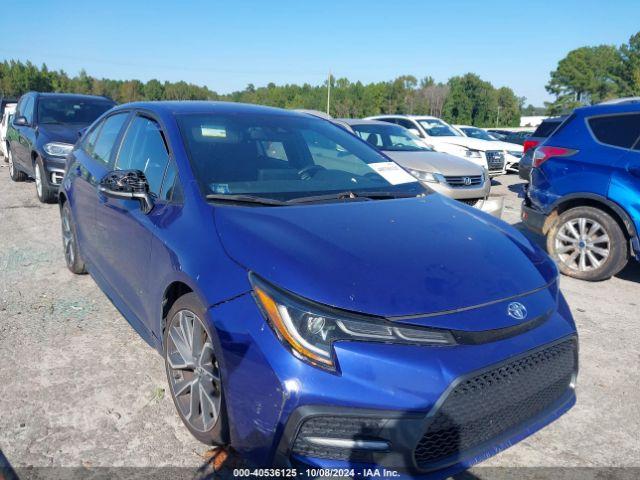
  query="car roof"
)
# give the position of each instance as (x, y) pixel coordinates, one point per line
(415, 117)
(71, 95)
(609, 107)
(360, 121)
(203, 106)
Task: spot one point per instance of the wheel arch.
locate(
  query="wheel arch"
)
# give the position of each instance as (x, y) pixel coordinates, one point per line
(173, 292)
(62, 199)
(596, 201)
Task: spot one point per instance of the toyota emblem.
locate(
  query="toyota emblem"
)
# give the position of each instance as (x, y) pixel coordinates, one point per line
(517, 310)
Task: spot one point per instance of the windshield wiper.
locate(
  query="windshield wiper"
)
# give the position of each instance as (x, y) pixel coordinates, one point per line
(220, 197)
(348, 195)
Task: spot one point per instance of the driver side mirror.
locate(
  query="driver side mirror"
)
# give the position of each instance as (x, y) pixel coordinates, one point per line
(416, 132)
(20, 121)
(127, 185)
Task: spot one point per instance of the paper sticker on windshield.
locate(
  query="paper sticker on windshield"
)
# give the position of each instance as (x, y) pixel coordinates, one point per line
(215, 132)
(219, 187)
(392, 173)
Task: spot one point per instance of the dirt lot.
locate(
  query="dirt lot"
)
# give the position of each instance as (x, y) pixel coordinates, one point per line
(78, 387)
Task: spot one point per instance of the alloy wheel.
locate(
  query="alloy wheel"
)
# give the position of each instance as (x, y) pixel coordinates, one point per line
(11, 167)
(38, 181)
(582, 244)
(194, 376)
(67, 238)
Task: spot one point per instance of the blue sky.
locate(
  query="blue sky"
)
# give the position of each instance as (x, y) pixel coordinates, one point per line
(228, 44)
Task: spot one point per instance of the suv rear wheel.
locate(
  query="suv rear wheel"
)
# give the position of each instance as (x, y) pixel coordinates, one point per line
(587, 243)
(15, 174)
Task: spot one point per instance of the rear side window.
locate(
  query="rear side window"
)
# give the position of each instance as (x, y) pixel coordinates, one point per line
(546, 128)
(616, 130)
(106, 137)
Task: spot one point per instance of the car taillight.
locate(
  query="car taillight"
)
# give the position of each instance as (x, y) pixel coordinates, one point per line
(529, 144)
(545, 152)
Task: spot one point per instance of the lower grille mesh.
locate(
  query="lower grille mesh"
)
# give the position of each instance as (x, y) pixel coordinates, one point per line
(336, 427)
(488, 405)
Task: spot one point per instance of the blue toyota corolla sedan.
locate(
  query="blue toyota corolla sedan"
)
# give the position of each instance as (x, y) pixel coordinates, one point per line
(316, 307)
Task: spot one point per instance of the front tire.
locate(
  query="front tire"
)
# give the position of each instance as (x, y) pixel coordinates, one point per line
(193, 372)
(588, 244)
(46, 194)
(15, 174)
(70, 242)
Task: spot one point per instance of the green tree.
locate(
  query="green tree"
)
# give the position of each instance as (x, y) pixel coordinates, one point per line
(153, 90)
(630, 67)
(585, 76)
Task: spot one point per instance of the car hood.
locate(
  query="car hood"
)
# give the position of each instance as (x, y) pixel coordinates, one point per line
(473, 143)
(509, 147)
(388, 257)
(61, 133)
(435, 162)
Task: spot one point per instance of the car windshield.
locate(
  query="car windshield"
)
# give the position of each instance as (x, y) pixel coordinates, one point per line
(478, 133)
(437, 128)
(391, 138)
(71, 110)
(285, 157)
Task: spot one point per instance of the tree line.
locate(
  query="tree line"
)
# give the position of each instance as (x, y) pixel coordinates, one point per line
(592, 74)
(463, 99)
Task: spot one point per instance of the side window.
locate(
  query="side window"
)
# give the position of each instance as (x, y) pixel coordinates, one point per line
(171, 189)
(27, 109)
(406, 123)
(616, 130)
(144, 149)
(107, 135)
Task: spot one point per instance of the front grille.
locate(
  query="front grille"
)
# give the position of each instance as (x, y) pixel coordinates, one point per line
(342, 427)
(470, 201)
(495, 160)
(464, 181)
(488, 405)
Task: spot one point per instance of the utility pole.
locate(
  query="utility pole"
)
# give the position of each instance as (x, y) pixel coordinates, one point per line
(329, 93)
(498, 117)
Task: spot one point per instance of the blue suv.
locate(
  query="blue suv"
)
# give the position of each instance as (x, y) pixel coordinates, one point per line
(314, 304)
(585, 190)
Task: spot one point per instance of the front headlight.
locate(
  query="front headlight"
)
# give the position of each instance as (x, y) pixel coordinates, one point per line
(309, 329)
(515, 153)
(473, 153)
(58, 149)
(424, 176)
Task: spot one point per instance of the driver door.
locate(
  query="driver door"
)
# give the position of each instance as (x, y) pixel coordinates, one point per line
(124, 230)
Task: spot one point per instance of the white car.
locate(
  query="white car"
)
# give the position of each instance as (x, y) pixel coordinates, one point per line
(9, 110)
(442, 137)
(512, 151)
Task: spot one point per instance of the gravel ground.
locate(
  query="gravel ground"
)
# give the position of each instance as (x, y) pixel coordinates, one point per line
(79, 388)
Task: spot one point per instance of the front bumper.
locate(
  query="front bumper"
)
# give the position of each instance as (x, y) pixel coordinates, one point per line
(270, 394)
(55, 169)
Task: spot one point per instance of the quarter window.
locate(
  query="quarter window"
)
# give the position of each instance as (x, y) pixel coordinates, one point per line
(107, 135)
(171, 190)
(616, 130)
(144, 149)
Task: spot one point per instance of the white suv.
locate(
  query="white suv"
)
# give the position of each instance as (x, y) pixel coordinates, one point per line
(442, 137)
